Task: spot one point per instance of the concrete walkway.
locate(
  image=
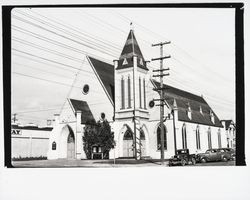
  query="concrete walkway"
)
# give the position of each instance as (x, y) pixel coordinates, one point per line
(88, 163)
(105, 163)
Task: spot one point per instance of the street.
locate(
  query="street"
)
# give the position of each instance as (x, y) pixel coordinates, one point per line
(105, 163)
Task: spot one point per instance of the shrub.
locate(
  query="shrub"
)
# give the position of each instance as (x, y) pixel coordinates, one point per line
(99, 134)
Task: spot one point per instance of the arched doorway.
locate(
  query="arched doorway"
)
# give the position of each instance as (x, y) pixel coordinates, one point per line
(128, 150)
(143, 143)
(71, 145)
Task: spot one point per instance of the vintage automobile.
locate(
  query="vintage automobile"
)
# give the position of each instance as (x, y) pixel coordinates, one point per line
(213, 155)
(230, 151)
(182, 157)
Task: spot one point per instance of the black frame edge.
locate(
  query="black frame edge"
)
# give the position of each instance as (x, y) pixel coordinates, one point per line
(240, 88)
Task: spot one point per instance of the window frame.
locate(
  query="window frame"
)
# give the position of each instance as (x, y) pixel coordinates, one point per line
(158, 137)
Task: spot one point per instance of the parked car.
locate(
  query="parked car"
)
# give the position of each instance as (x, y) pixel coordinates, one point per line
(183, 158)
(230, 151)
(213, 155)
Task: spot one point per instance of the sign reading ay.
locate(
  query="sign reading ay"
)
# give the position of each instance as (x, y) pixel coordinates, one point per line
(16, 132)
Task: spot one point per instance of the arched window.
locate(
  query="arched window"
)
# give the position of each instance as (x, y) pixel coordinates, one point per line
(122, 94)
(142, 135)
(128, 135)
(209, 138)
(140, 92)
(159, 137)
(54, 145)
(184, 137)
(144, 92)
(129, 93)
(219, 138)
(198, 141)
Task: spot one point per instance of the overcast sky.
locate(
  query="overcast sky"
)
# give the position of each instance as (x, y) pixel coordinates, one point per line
(49, 44)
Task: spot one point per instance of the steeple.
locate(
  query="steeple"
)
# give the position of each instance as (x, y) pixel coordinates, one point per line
(130, 49)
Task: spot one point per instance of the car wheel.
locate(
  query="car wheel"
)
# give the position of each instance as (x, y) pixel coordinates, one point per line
(224, 159)
(193, 161)
(203, 160)
(183, 162)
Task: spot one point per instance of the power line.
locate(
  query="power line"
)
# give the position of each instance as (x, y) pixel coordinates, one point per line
(161, 37)
(40, 37)
(82, 32)
(46, 49)
(51, 81)
(41, 70)
(63, 30)
(58, 34)
(49, 60)
(60, 63)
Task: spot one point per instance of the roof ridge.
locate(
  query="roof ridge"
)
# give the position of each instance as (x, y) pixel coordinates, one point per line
(167, 85)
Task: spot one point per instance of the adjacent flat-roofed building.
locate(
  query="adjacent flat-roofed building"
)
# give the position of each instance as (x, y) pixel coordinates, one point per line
(29, 141)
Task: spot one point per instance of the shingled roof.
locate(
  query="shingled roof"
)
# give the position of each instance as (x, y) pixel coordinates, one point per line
(106, 73)
(87, 116)
(130, 49)
(196, 103)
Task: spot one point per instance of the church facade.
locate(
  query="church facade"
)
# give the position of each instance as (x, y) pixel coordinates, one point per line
(125, 93)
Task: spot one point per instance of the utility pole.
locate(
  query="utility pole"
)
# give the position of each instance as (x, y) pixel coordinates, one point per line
(161, 75)
(14, 117)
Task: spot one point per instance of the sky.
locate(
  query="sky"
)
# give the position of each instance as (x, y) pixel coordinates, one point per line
(49, 44)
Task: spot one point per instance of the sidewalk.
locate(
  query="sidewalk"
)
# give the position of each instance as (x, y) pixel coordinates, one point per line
(88, 163)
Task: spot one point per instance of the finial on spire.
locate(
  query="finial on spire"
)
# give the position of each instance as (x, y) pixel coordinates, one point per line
(131, 26)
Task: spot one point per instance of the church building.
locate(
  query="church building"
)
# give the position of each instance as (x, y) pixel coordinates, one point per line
(125, 93)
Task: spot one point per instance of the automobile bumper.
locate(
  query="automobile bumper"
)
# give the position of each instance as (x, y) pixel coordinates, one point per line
(175, 162)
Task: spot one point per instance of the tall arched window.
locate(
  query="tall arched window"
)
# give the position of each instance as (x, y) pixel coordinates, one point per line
(184, 136)
(159, 137)
(144, 91)
(198, 141)
(129, 93)
(219, 138)
(142, 135)
(209, 138)
(122, 94)
(140, 92)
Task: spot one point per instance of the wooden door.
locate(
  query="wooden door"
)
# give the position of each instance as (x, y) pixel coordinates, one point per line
(128, 148)
(143, 148)
(71, 146)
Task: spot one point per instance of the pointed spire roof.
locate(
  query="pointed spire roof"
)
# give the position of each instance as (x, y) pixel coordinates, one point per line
(130, 49)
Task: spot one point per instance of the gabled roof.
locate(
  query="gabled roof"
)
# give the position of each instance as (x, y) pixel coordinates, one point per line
(130, 49)
(183, 100)
(87, 116)
(106, 73)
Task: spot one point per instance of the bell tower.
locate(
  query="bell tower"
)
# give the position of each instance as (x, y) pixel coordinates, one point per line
(131, 79)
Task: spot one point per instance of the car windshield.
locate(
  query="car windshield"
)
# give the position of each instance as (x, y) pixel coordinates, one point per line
(181, 151)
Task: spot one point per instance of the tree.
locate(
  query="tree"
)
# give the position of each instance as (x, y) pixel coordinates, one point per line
(98, 134)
